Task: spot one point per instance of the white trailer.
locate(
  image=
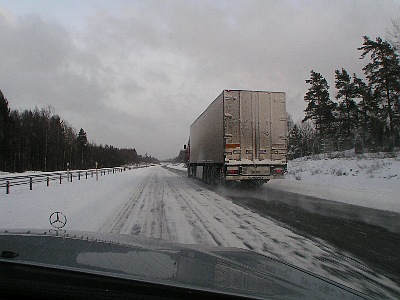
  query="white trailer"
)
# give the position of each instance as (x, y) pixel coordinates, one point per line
(241, 136)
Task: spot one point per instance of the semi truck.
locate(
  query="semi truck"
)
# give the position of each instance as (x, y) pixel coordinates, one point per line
(240, 137)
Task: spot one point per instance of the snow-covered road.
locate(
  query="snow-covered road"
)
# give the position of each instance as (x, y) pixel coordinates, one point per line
(158, 203)
(168, 206)
(178, 209)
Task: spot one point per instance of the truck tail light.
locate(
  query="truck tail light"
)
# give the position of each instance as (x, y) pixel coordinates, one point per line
(278, 171)
(233, 172)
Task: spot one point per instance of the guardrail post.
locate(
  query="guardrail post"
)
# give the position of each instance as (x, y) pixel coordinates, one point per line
(71, 177)
(60, 179)
(30, 183)
(48, 180)
(86, 174)
(79, 175)
(7, 187)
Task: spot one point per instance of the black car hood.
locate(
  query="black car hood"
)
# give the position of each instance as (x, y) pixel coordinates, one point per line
(225, 270)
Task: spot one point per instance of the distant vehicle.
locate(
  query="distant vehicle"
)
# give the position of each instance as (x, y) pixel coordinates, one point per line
(241, 136)
(40, 264)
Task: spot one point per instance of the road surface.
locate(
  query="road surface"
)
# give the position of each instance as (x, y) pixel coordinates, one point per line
(168, 205)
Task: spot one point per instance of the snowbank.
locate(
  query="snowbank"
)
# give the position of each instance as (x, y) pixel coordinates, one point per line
(371, 180)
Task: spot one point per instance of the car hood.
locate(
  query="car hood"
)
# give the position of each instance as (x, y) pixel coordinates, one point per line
(231, 271)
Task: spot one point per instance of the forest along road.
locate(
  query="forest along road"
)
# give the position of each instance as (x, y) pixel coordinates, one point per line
(168, 205)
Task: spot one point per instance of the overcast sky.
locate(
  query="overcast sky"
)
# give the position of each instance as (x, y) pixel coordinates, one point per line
(138, 73)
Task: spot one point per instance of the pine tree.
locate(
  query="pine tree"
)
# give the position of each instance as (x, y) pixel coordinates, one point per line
(4, 131)
(320, 108)
(383, 73)
(82, 143)
(369, 116)
(347, 107)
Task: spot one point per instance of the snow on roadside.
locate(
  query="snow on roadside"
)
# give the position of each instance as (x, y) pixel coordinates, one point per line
(369, 180)
(366, 170)
(178, 166)
(86, 202)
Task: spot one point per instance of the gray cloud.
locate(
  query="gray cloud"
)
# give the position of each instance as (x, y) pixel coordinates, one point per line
(140, 74)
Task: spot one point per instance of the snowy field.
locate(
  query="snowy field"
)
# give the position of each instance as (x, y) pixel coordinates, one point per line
(158, 203)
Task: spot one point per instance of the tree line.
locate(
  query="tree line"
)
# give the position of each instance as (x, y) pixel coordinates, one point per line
(364, 114)
(39, 139)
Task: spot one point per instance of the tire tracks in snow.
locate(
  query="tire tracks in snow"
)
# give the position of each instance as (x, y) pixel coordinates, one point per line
(204, 230)
(175, 208)
(266, 236)
(116, 222)
(149, 212)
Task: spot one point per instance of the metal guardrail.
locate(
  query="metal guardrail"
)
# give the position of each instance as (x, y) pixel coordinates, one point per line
(7, 182)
